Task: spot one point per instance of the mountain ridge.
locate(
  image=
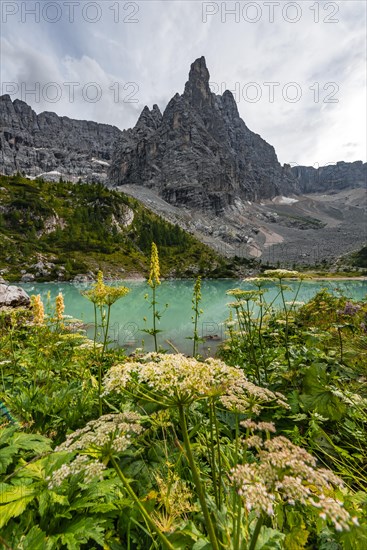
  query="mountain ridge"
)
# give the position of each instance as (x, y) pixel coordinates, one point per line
(51, 146)
(36, 145)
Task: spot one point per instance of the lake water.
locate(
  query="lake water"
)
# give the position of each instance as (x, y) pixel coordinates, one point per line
(128, 313)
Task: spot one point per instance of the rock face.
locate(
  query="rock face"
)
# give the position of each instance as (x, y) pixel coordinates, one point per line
(12, 296)
(199, 153)
(333, 177)
(51, 146)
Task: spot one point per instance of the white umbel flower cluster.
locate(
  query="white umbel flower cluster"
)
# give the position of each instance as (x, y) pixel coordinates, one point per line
(100, 438)
(174, 378)
(91, 470)
(286, 473)
(282, 274)
(103, 431)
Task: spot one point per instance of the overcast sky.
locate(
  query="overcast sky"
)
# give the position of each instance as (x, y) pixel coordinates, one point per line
(297, 69)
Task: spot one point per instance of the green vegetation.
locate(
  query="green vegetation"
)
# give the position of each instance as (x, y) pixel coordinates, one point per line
(264, 447)
(302, 222)
(79, 228)
(359, 259)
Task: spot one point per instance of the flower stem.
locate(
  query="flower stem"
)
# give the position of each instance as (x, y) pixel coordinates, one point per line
(340, 344)
(256, 533)
(212, 451)
(165, 542)
(286, 325)
(154, 321)
(197, 481)
(219, 457)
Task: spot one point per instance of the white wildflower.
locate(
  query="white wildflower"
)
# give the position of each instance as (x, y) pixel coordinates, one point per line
(282, 274)
(100, 438)
(172, 379)
(286, 473)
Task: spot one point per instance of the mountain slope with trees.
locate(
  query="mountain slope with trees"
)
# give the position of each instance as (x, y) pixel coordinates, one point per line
(59, 230)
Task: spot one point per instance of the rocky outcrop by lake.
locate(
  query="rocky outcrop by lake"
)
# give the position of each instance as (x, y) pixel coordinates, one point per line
(13, 296)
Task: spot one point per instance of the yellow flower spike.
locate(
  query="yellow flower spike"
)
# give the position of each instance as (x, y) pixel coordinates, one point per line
(100, 283)
(103, 295)
(60, 306)
(97, 293)
(38, 310)
(154, 275)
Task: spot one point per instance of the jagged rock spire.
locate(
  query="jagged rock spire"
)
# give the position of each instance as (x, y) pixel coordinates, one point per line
(149, 118)
(197, 90)
(202, 155)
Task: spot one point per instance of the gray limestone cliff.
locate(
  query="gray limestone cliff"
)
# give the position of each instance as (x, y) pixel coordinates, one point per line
(199, 153)
(51, 145)
(332, 177)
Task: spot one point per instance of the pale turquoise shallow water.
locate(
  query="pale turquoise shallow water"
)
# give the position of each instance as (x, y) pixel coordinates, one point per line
(128, 313)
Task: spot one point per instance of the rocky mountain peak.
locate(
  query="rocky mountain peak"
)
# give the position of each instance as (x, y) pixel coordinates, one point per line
(197, 90)
(199, 153)
(149, 118)
(230, 105)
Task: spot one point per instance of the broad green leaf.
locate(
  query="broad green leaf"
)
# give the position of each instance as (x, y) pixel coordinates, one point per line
(81, 530)
(32, 442)
(14, 509)
(70, 541)
(202, 545)
(9, 493)
(355, 539)
(6, 433)
(296, 539)
(270, 539)
(6, 457)
(34, 539)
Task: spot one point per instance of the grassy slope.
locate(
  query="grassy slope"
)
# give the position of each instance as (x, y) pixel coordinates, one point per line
(86, 237)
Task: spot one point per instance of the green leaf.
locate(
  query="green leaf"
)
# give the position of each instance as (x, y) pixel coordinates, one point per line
(355, 539)
(296, 539)
(6, 457)
(15, 507)
(6, 433)
(32, 442)
(81, 530)
(9, 493)
(35, 538)
(270, 539)
(202, 545)
(317, 397)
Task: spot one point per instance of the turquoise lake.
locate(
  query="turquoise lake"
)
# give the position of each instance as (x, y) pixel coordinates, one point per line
(128, 313)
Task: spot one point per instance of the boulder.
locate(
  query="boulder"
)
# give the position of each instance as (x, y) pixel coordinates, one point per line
(81, 278)
(27, 278)
(13, 296)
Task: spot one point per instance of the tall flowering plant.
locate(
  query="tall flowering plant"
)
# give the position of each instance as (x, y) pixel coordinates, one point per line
(196, 299)
(154, 282)
(262, 476)
(103, 297)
